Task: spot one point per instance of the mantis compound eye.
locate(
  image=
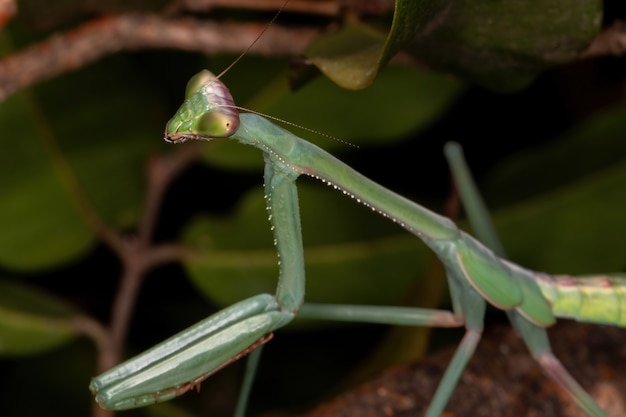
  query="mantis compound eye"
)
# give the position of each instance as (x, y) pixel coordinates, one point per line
(218, 124)
(197, 81)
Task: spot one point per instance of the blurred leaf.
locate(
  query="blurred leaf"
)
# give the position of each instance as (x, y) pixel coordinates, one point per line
(564, 199)
(49, 382)
(32, 321)
(573, 229)
(500, 45)
(40, 225)
(591, 146)
(125, 121)
(505, 45)
(364, 117)
(58, 163)
(345, 262)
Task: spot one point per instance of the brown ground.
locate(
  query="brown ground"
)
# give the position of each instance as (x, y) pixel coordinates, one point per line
(501, 380)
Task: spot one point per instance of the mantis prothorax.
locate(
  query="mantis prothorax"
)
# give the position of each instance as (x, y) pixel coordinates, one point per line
(475, 274)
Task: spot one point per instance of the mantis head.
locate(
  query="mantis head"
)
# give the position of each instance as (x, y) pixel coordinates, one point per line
(207, 113)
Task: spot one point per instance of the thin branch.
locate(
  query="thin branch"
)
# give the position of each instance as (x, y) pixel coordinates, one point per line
(100, 336)
(137, 260)
(167, 253)
(611, 42)
(108, 35)
(318, 7)
(8, 10)
(91, 328)
(162, 169)
(139, 256)
(329, 8)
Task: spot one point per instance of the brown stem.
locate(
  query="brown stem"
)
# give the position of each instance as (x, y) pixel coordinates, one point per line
(612, 41)
(96, 411)
(108, 35)
(319, 7)
(139, 255)
(94, 330)
(124, 303)
(331, 8)
(452, 205)
(162, 170)
(8, 9)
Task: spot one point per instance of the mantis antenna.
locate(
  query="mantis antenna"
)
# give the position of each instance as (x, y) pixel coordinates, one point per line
(267, 26)
(225, 101)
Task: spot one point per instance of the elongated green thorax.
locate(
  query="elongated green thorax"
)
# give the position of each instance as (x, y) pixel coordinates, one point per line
(208, 111)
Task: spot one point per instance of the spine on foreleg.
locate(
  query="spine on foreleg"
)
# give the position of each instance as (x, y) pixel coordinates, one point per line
(592, 298)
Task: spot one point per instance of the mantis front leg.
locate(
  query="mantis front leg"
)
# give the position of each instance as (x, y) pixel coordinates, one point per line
(183, 361)
(535, 337)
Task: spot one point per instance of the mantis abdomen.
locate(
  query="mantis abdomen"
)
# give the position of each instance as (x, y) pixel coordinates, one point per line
(595, 299)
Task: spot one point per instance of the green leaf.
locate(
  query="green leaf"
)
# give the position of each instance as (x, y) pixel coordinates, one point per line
(345, 262)
(353, 56)
(32, 321)
(505, 45)
(502, 45)
(347, 57)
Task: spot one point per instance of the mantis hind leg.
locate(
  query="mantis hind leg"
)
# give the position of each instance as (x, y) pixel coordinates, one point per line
(470, 305)
(252, 365)
(536, 339)
(469, 309)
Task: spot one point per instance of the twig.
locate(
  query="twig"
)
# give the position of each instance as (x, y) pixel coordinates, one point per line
(162, 170)
(330, 8)
(8, 9)
(95, 331)
(612, 41)
(319, 7)
(108, 35)
(139, 255)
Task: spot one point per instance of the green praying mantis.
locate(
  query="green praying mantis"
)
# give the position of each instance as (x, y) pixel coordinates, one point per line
(476, 275)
